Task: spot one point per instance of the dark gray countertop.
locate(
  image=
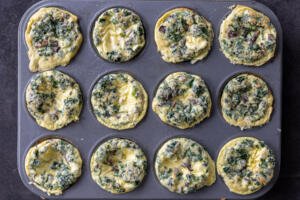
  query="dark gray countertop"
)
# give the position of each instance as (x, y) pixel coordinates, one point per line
(287, 187)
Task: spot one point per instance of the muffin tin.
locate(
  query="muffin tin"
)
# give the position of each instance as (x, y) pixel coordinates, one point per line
(149, 69)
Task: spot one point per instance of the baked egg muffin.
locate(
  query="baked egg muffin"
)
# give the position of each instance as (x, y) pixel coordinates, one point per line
(118, 35)
(182, 100)
(181, 34)
(118, 165)
(53, 165)
(53, 99)
(246, 164)
(183, 166)
(246, 101)
(247, 37)
(52, 37)
(119, 101)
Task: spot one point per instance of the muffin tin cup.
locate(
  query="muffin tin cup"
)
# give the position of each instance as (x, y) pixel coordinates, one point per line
(165, 140)
(114, 71)
(105, 139)
(229, 78)
(148, 68)
(92, 25)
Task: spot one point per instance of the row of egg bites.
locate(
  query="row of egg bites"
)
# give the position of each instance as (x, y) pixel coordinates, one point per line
(120, 102)
(181, 165)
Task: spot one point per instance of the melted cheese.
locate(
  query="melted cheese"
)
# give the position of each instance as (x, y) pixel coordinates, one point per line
(246, 165)
(118, 165)
(52, 37)
(246, 101)
(53, 99)
(183, 35)
(118, 35)
(247, 37)
(119, 101)
(53, 165)
(183, 166)
(182, 100)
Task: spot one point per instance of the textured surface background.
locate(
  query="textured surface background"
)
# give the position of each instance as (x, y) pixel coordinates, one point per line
(288, 185)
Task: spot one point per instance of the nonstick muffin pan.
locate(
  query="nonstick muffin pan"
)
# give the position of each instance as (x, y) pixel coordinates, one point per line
(149, 69)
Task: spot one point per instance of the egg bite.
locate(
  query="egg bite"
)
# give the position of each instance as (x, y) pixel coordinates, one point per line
(182, 100)
(118, 165)
(53, 38)
(53, 165)
(246, 164)
(119, 101)
(118, 34)
(183, 166)
(181, 34)
(53, 99)
(246, 101)
(247, 37)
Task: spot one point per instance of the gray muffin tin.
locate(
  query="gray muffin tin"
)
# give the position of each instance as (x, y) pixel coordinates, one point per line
(149, 69)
